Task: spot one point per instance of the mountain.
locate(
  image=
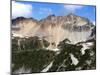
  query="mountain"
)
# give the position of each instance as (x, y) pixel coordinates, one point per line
(54, 28)
(53, 44)
(71, 27)
(22, 27)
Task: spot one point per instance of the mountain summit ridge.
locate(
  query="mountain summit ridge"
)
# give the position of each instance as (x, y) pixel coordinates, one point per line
(54, 28)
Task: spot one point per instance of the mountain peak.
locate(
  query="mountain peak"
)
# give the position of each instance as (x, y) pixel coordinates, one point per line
(18, 19)
(50, 16)
(71, 14)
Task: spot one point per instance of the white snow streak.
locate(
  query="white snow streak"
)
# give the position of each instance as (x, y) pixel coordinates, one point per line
(22, 70)
(53, 49)
(74, 60)
(47, 68)
(86, 46)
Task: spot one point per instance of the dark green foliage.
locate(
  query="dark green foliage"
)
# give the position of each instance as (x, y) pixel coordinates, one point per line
(63, 60)
(31, 53)
(28, 43)
(14, 44)
(64, 57)
(32, 59)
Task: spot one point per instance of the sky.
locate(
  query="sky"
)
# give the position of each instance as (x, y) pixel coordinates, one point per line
(39, 11)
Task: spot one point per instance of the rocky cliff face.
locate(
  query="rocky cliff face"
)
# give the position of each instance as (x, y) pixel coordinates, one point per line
(23, 27)
(54, 28)
(71, 27)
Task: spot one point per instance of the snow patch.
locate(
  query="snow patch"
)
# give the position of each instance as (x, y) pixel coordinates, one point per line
(74, 60)
(47, 68)
(53, 49)
(86, 46)
(18, 35)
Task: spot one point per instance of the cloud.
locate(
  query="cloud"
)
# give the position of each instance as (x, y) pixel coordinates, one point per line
(20, 9)
(45, 11)
(73, 8)
(42, 12)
